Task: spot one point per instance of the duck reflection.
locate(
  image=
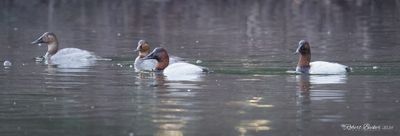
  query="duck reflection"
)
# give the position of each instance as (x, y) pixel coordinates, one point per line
(308, 93)
(173, 107)
(303, 115)
(63, 78)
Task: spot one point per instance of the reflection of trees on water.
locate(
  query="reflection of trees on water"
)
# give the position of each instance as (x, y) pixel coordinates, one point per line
(263, 23)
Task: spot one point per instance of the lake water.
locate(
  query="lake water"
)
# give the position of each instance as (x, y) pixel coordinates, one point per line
(248, 45)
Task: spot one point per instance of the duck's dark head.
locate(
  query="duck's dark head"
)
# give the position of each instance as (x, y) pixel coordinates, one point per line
(161, 55)
(50, 39)
(47, 37)
(303, 64)
(303, 48)
(158, 54)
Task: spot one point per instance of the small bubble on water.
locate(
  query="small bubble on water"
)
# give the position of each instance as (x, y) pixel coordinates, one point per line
(7, 63)
(15, 28)
(131, 134)
(199, 61)
(118, 34)
(14, 103)
(189, 90)
(375, 67)
(197, 41)
(130, 66)
(92, 107)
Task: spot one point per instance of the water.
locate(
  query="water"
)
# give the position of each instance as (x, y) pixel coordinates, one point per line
(248, 44)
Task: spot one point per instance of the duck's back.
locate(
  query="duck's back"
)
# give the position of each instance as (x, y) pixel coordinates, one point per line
(73, 57)
(323, 67)
(183, 68)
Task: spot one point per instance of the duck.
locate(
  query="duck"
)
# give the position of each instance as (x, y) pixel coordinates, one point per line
(67, 57)
(175, 69)
(305, 66)
(143, 49)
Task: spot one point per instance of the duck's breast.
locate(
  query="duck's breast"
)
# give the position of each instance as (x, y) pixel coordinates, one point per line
(323, 67)
(144, 65)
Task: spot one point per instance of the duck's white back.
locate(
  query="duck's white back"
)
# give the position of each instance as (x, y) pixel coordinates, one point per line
(73, 58)
(182, 71)
(323, 67)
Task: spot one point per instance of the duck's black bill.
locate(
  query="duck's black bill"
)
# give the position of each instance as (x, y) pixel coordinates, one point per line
(37, 41)
(297, 50)
(152, 55)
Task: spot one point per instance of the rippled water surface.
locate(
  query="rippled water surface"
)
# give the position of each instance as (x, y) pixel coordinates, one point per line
(248, 45)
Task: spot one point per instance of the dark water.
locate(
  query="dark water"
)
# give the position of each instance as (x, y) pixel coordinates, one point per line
(248, 44)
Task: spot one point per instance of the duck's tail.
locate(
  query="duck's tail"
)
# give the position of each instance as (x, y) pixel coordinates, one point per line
(205, 70)
(348, 69)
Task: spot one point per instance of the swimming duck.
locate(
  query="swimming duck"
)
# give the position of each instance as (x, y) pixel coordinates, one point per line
(174, 69)
(143, 50)
(317, 67)
(67, 57)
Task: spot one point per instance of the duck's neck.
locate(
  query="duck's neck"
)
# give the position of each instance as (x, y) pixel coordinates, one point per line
(52, 48)
(143, 54)
(304, 60)
(162, 63)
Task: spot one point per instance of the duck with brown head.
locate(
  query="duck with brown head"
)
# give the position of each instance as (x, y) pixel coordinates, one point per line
(174, 69)
(143, 49)
(305, 65)
(52, 45)
(67, 57)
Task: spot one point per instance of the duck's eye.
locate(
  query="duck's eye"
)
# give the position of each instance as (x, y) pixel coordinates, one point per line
(45, 38)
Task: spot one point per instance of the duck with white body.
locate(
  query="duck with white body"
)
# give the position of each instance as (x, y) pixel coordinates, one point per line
(174, 70)
(305, 65)
(143, 50)
(67, 57)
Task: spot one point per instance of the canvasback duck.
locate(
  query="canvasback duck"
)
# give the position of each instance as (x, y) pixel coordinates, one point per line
(140, 64)
(317, 67)
(143, 50)
(67, 57)
(174, 69)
